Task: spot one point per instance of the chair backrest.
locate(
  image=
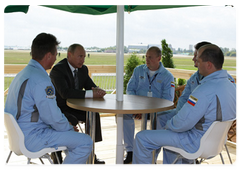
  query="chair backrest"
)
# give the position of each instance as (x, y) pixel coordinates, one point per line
(211, 143)
(15, 134)
(16, 139)
(214, 138)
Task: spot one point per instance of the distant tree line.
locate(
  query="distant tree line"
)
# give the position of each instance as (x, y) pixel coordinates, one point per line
(114, 48)
(226, 51)
(229, 53)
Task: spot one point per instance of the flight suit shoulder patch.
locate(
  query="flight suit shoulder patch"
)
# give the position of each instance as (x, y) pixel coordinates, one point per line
(50, 92)
(192, 100)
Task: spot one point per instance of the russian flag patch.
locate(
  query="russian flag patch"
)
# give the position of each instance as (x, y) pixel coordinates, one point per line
(192, 100)
(231, 80)
(172, 84)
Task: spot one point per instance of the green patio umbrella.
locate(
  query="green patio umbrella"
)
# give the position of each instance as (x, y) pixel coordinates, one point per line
(93, 9)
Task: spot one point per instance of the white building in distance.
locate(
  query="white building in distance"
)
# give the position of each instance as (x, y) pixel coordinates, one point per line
(141, 47)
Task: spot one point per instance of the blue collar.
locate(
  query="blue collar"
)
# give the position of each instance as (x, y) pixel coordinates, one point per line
(36, 64)
(215, 75)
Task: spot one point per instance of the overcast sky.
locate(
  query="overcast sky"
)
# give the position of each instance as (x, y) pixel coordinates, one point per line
(180, 27)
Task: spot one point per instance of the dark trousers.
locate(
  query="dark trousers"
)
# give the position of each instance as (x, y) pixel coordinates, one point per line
(74, 116)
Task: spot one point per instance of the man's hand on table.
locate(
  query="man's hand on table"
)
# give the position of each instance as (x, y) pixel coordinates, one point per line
(98, 92)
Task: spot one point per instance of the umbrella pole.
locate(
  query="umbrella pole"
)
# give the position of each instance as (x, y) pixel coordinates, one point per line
(119, 81)
(120, 53)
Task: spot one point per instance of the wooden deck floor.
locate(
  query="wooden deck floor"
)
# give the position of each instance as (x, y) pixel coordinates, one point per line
(106, 150)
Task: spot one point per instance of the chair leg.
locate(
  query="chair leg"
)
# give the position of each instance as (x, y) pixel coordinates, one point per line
(9, 156)
(176, 159)
(228, 153)
(49, 158)
(201, 160)
(29, 159)
(221, 158)
(41, 160)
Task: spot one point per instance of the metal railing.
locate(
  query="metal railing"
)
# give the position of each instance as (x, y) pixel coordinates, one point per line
(103, 75)
(106, 81)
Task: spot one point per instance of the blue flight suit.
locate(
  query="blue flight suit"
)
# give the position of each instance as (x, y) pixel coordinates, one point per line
(162, 86)
(185, 130)
(31, 100)
(163, 117)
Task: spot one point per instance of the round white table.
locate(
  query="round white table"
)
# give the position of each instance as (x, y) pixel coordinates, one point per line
(131, 104)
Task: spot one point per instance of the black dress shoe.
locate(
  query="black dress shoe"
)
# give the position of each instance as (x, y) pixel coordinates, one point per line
(98, 161)
(54, 158)
(128, 158)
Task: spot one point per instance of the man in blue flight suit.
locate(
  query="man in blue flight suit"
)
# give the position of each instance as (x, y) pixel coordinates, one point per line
(152, 80)
(31, 100)
(213, 92)
(163, 117)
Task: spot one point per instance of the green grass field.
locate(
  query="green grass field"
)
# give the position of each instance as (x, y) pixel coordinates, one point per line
(23, 57)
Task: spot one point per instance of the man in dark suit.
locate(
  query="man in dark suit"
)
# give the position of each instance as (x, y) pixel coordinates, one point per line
(71, 80)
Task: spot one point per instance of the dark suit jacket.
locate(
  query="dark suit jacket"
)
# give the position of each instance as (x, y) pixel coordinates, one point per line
(63, 81)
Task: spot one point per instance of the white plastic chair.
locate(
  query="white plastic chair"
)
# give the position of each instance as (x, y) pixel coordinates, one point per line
(16, 142)
(211, 143)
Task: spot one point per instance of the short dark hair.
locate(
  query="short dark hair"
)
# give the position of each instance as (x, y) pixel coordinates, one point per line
(42, 44)
(213, 54)
(200, 44)
(156, 49)
(72, 47)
